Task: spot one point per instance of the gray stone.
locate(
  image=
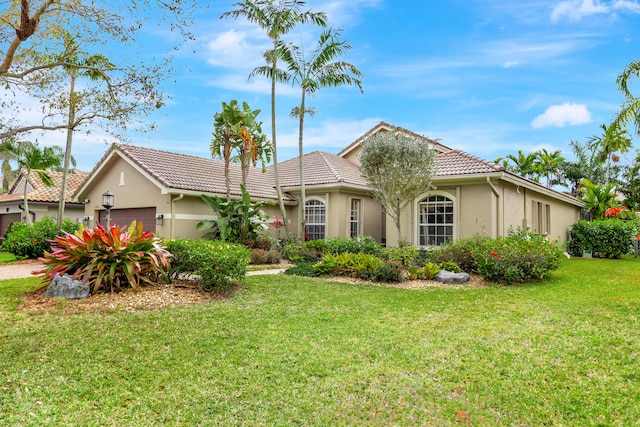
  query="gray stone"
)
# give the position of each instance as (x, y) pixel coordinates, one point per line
(445, 276)
(64, 286)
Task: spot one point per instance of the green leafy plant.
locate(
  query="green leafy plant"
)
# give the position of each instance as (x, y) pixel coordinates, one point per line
(358, 265)
(389, 271)
(407, 255)
(610, 238)
(450, 266)
(213, 263)
(462, 252)
(27, 242)
(108, 259)
(364, 244)
(236, 220)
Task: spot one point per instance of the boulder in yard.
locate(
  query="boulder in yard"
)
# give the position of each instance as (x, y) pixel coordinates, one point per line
(445, 276)
(64, 286)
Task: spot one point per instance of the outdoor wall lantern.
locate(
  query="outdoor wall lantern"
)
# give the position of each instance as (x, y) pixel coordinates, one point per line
(160, 219)
(107, 202)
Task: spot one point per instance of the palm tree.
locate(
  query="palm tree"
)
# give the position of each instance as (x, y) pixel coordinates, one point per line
(630, 109)
(614, 139)
(549, 164)
(598, 198)
(76, 66)
(277, 18)
(522, 164)
(33, 159)
(311, 73)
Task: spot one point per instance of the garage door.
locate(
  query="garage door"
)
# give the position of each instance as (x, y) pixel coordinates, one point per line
(124, 217)
(6, 219)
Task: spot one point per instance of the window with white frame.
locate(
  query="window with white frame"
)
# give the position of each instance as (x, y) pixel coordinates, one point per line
(315, 220)
(436, 221)
(354, 217)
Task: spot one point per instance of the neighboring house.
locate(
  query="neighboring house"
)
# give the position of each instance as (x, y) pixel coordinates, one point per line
(43, 200)
(471, 195)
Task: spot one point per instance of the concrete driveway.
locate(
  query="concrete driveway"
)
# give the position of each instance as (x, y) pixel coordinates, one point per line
(19, 270)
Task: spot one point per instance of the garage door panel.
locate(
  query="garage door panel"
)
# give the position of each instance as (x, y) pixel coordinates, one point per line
(124, 217)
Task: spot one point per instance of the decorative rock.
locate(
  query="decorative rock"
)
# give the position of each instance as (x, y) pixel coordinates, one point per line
(445, 276)
(65, 287)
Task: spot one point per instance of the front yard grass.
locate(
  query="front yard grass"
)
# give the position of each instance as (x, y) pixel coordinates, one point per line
(311, 352)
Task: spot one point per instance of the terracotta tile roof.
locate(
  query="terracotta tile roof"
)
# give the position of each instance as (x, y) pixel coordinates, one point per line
(456, 162)
(43, 194)
(320, 168)
(389, 127)
(185, 172)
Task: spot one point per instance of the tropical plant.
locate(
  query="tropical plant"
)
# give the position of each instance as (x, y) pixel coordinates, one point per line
(549, 166)
(239, 131)
(598, 198)
(630, 185)
(33, 159)
(236, 219)
(614, 139)
(630, 110)
(32, 242)
(276, 18)
(108, 259)
(522, 164)
(398, 168)
(318, 70)
(7, 155)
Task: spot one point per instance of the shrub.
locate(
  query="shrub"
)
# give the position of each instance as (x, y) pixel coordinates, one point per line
(450, 266)
(261, 256)
(520, 257)
(358, 265)
(354, 245)
(390, 271)
(461, 252)
(318, 245)
(108, 259)
(214, 263)
(611, 238)
(32, 242)
(298, 253)
(259, 242)
(302, 269)
(407, 255)
(426, 272)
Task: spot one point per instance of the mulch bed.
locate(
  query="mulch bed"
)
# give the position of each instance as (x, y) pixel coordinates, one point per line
(177, 294)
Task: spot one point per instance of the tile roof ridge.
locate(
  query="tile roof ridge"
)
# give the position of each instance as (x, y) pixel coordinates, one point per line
(331, 166)
(487, 163)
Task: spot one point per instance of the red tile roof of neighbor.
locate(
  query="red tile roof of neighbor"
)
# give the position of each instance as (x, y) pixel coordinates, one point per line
(43, 194)
(456, 162)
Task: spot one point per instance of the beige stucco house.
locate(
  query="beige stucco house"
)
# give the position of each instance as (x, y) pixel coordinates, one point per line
(43, 200)
(471, 195)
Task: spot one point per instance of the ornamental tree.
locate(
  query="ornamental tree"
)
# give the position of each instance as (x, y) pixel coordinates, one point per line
(398, 167)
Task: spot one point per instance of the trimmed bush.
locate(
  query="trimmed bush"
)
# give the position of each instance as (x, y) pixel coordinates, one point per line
(354, 245)
(261, 256)
(450, 266)
(214, 263)
(32, 242)
(461, 252)
(407, 255)
(298, 253)
(108, 259)
(611, 238)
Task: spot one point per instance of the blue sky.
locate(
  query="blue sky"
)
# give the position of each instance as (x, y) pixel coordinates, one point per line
(486, 76)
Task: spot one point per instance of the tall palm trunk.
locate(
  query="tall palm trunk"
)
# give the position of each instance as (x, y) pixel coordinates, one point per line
(303, 195)
(283, 212)
(27, 214)
(67, 151)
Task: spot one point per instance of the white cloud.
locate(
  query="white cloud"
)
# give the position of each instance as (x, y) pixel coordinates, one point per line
(235, 49)
(562, 115)
(575, 10)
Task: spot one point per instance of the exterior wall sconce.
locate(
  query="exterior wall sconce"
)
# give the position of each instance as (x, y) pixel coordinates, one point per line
(85, 220)
(160, 219)
(108, 199)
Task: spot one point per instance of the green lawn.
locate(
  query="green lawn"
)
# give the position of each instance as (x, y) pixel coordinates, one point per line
(307, 352)
(6, 257)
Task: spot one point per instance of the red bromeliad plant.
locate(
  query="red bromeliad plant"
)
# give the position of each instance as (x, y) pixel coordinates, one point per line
(108, 258)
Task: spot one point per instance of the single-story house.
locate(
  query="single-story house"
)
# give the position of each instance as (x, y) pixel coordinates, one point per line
(471, 195)
(43, 200)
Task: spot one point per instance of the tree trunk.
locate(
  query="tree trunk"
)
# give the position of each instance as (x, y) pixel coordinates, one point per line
(283, 212)
(67, 151)
(27, 214)
(303, 195)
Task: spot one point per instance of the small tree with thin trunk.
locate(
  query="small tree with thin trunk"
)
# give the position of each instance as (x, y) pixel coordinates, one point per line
(398, 167)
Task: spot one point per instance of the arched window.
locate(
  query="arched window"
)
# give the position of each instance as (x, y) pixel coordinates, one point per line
(315, 216)
(436, 221)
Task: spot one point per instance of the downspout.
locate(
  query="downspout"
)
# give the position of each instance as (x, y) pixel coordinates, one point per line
(32, 213)
(173, 215)
(498, 216)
